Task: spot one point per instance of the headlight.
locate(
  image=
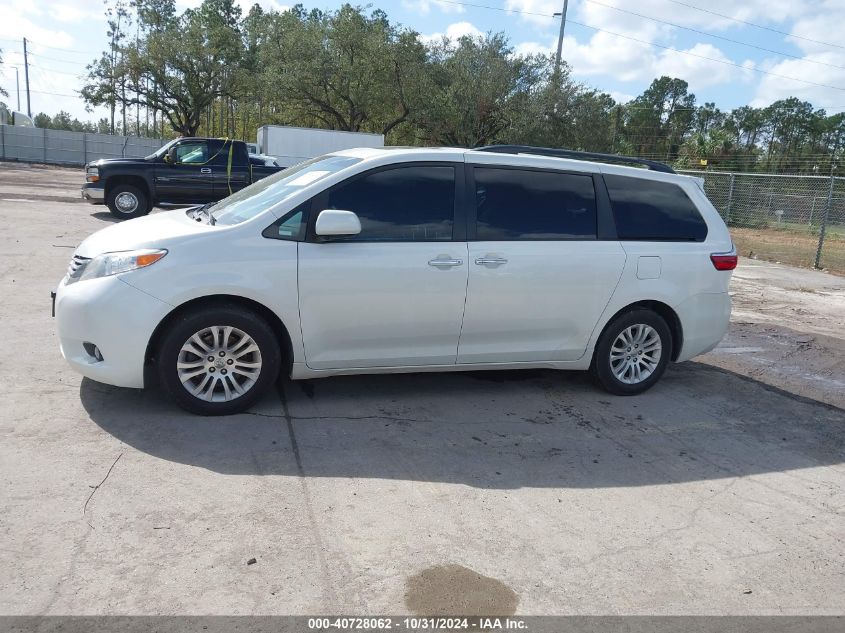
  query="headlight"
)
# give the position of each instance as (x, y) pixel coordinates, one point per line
(113, 263)
(92, 174)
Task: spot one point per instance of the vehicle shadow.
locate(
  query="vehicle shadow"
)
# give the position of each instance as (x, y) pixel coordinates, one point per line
(105, 216)
(498, 430)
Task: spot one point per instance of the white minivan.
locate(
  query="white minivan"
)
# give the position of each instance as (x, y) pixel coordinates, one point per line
(405, 260)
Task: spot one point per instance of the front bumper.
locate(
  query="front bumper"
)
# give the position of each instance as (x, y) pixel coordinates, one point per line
(113, 316)
(93, 193)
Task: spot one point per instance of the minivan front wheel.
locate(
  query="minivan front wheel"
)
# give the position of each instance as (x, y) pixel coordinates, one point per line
(218, 361)
(632, 353)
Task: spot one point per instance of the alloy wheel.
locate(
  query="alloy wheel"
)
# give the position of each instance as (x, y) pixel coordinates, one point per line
(635, 353)
(219, 363)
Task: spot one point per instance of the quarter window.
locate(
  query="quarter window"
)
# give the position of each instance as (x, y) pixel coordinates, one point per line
(652, 210)
(290, 227)
(405, 204)
(522, 204)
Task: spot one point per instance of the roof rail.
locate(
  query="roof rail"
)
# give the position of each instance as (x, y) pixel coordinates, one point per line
(575, 155)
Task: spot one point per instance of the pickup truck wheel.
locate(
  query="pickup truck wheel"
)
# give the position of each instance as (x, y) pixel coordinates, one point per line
(219, 360)
(127, 201)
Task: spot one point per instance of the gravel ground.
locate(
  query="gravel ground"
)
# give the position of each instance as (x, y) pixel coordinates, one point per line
(720, 491)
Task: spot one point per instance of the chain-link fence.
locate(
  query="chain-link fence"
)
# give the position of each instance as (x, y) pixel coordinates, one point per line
(796, 220)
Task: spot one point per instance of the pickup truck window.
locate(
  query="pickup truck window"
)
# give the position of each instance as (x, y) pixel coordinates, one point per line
(260, 196)
(161, 151)
(192, 152)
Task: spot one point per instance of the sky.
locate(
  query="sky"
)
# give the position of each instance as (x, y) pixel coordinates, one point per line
(731, 52)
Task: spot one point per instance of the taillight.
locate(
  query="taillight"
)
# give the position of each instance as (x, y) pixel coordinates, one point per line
(724, 261)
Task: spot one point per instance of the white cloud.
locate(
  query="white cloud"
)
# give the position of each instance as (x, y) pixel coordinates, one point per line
(454, 32)
(15, 27)
(424, 6)
(267, 5)
(535, 11)
(821, 64)
(621, 97)
(599, 12)
(611, 56)
(76, 12)
(697, 69)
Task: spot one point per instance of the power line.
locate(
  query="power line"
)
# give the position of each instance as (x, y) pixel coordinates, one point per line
(634, 39)
(759, 26)
(55, 48)
(50, 70)
(713, 35)
(712, 59)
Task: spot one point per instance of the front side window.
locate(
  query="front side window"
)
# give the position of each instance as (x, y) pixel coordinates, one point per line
(523, 204)
(192, 152)
(402, 204)
(653, 210)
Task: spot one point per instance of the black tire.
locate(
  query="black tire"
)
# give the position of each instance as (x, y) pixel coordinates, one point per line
(184, 327)
(602, 369)
(142, 206)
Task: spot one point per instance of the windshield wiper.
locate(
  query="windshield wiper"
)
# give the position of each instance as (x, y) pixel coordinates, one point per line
(204, 211)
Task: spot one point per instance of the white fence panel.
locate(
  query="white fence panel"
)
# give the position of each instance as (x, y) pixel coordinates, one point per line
(37, 145)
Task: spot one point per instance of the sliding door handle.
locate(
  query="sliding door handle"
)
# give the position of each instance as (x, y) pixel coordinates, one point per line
(445, 263)
(490, 261)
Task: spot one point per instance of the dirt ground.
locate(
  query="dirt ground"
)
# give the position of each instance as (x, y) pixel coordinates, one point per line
(720, 491)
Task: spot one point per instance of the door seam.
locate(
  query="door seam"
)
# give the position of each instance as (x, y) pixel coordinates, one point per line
(464, 311)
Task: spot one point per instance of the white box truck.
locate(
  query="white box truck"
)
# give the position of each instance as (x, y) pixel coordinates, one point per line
(291, 145)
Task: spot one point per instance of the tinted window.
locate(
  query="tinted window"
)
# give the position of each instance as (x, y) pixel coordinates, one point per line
(653, 210)
(405, 204)
(516, 204)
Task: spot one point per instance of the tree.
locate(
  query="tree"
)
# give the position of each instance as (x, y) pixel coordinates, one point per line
(342, 70)
(659, 119)
(474, 90)
(182, 65)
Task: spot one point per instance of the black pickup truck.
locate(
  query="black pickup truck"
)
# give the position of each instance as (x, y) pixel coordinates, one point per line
(184, 171)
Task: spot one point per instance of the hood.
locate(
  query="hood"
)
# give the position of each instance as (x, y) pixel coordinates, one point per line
(151, 231)
(106, 162)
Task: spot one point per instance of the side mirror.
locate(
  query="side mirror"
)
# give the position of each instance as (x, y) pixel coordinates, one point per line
(334, 222)
(170, 157)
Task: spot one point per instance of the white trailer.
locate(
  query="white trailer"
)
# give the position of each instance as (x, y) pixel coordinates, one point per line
(291, 145)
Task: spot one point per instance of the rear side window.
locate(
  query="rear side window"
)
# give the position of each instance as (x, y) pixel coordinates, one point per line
(651, 210)
(522, 204)
(404, 204)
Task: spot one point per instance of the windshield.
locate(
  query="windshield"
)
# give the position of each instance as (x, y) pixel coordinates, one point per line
(161, 151)
(267, 192)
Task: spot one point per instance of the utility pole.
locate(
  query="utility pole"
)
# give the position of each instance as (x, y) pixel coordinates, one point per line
(18, 86)
(562, 15)
(26, 78)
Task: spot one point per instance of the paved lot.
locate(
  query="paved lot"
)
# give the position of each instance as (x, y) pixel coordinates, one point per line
(719, 491)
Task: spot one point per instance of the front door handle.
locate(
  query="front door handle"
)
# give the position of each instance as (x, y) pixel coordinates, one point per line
(445, 263)
(205, 170)
(492, 261)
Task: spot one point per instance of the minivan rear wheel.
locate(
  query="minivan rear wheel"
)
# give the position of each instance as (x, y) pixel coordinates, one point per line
(218, 361)
(632, 353)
